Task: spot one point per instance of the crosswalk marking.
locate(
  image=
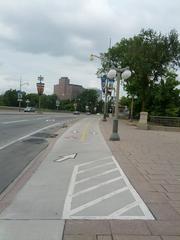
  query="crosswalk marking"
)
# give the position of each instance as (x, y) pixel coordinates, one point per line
(108, 185)
(97, 175)
(124, 209)
(96, 186)
(98, 166)
(98, 200)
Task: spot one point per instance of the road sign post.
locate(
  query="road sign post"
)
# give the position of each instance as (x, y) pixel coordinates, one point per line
(19, 99)
(57, 104)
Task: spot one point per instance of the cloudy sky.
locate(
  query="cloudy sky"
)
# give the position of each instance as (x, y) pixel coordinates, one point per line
(54, 38)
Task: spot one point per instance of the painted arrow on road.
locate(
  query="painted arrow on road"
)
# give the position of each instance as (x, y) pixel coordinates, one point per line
(66, 157)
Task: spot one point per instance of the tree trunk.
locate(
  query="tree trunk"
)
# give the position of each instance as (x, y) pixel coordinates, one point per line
(143, 104)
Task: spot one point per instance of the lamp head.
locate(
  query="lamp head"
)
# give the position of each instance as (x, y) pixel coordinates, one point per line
(126, 74)
(91, 58)
(111, 74)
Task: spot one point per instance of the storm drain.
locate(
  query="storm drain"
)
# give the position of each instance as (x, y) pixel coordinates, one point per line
(45, 135)
(35, 140)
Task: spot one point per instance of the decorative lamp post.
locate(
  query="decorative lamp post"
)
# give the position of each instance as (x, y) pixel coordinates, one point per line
(122, 73)
(40, 89)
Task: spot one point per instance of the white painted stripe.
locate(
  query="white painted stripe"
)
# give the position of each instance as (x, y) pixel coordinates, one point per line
(68, 200)
(98, 200)
(28, 135)
(96, 186)
(24, 120)
(107, 217)
(101, 159)
(98, 166)
(124, 209)
(144, 208)
(97, 175)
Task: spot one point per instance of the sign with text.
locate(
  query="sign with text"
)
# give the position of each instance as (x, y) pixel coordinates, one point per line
(40, 88)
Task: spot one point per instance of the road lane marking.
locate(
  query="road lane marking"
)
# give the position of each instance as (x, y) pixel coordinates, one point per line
(66, 157)
(67, 205)
(30, 134)
(123, 210)
(24, 120)
(134, 193)
(87, 163)
(99, 166)
(98, 200)
(97, 175)
(128, 200)
(17, 121)
(96, 186)
(85, 133)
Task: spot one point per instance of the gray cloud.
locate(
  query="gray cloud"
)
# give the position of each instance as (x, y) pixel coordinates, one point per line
(45, 32)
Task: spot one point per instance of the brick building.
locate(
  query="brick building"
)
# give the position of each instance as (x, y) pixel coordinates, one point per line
(64, 90)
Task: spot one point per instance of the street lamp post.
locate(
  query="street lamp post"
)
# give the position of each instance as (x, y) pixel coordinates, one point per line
(122, 73)
(105, 103)
(20, 92)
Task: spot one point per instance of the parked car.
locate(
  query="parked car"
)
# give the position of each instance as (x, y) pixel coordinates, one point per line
(29, 109)
(76, 113)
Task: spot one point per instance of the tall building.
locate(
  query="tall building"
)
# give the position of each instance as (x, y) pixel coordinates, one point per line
(64, 90)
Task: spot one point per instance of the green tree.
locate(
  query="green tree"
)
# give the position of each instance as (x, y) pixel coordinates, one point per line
(164, 99)
(149, 54)
(48, 101)
(88, 97)
(10, 98)
(33, 98)
(1, 100)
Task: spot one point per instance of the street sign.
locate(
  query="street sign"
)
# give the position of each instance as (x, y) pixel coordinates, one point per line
(103, 82)
(19, 95)
(40, 88)
(57, 103)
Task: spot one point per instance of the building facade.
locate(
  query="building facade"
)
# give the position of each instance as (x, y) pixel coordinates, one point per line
(64, 90)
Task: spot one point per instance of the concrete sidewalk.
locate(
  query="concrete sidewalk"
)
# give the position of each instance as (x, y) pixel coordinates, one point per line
(151, 160)
(69, 199)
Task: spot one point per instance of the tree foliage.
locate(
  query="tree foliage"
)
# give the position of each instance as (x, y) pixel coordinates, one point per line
(88, 97)
(150, 55)
(10, 98)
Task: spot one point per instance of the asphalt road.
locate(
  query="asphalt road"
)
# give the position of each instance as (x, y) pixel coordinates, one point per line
(23, 137)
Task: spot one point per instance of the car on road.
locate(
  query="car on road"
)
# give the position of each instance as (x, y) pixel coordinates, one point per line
(76, 113)
(88, 113)
(29, 109)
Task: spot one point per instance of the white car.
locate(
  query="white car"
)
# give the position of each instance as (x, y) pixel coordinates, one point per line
(29, 109)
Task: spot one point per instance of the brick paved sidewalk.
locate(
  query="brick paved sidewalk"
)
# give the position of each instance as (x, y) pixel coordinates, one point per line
(151, 160)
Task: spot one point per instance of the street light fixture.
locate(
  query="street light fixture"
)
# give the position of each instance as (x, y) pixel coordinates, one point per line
(121, 73)
(20, 92)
